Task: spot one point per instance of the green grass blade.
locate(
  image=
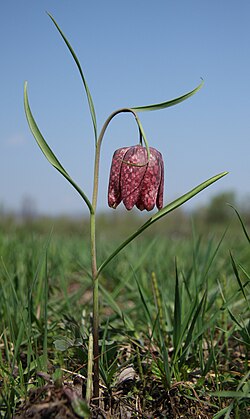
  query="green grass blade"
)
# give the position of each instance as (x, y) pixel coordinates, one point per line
(189, 339)
(104, 358)
(50, 156)
(214, 254)
(222, 412)
(169, 103)
(164, 211)
(226, 305)
(184, 198)
(45, 309)
(242, 224)
(89, 97)
(177, 311)
(244, 380)
(211, 359)
(158, 303)
(144, 303)
(244, 272)
(110, 300)
(19, 341)
(234, 318)
(238, 277)
(238, 394)
(166, 364)
(231, 394)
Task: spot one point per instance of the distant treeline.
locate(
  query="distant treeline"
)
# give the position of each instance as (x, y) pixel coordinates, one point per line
(219, 213)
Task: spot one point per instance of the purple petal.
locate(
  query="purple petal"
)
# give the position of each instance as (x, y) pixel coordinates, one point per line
(114, 192)
(159, 199)
(132, 175)
(151, 182)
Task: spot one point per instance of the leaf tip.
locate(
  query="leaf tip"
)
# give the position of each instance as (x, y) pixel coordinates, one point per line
(222, 174)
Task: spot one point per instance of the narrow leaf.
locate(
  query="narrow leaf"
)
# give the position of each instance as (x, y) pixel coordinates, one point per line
(110, 301)
(242, 223)
(89, 97)
(169, 103)
(222, 412)
(231, 394)
(38, 136)
(189, 338)
(164, 211)
(50, 156)
(234, 318)
(177, 311)
(238, 277)
(144, 303)
(184, 198)
(166, 364)
(186, 321)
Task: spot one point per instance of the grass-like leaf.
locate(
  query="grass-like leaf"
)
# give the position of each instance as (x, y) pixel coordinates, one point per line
(166, 364)
(50, 156)
(164, 211)
(111, 301)
(177, 310)
(45, 310)
(189, 339)
(242, 223)
(169, 103)
(236, 272)
(89, 97)
(236, 395)
(144, 303)
(231, 394)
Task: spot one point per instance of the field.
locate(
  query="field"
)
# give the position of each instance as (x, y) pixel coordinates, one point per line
(174, 332)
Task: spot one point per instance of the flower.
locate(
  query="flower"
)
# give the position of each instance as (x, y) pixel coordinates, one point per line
(135, 179)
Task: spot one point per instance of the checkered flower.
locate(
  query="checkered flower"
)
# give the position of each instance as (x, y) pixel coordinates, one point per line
(135, 179)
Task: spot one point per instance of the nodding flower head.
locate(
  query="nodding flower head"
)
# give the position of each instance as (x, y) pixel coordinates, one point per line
(136, 179)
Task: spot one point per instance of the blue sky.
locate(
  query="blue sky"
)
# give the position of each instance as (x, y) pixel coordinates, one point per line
(132, 53)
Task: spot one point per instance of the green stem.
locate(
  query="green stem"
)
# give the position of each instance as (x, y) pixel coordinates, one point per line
(158, 302)
(95, 309)
(93, 247)
(95, 341)
(90, 370)
(98, 148)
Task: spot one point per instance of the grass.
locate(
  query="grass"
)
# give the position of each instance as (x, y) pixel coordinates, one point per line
(175, 331)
